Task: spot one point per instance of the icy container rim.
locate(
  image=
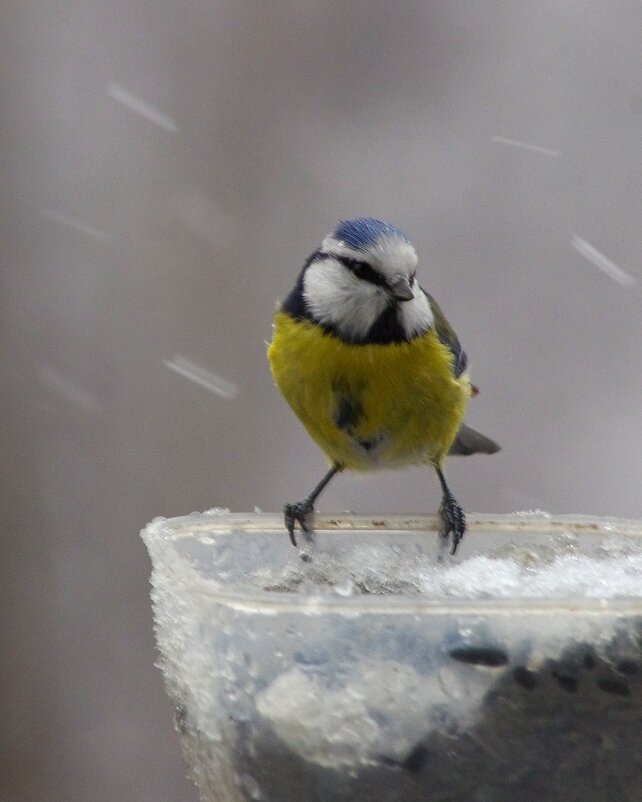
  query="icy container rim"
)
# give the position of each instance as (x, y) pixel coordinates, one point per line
(251, 599)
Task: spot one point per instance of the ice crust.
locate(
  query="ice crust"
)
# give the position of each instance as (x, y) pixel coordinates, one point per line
(613, 571)
(384, 709)
(568, 576)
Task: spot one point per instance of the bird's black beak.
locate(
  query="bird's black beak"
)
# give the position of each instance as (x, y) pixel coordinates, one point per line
(400, 289)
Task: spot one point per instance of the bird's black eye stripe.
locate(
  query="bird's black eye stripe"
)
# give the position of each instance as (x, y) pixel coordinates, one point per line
(361, 270)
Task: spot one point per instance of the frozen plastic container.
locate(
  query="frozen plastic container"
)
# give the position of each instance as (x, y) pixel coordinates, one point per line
(373, 666)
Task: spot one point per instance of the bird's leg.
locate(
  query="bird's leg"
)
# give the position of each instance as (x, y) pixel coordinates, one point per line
(452, 515)
(300, 510)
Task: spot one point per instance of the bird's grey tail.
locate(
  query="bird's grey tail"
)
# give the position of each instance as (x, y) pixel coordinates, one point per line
(468, 441)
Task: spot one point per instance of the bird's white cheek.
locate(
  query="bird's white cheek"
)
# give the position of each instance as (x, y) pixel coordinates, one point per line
(336, 297)
(416, 315)
(326, 290)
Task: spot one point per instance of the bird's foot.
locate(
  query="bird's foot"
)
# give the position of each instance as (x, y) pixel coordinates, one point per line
(299, 512)
(453, 519)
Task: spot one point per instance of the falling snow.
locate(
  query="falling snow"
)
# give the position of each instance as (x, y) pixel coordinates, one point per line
(201, 376)
(515, 143)
(77, 225)
(139, 106)
(601, 261)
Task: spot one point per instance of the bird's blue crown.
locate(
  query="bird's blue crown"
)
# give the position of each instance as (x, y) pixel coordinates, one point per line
(365, 231)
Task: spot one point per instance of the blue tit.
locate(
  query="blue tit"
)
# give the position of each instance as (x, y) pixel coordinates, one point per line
(370, 365)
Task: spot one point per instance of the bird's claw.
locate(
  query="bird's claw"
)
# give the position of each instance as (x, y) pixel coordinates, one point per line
(453, 519)
(298, 512)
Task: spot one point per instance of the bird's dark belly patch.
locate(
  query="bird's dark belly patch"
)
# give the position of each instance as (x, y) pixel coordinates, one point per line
(349, 415)
(349, 412)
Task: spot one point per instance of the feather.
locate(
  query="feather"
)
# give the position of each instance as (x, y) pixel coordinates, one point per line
(468, 442)
(447, 337)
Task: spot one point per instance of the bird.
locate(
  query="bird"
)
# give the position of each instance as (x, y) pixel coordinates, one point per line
(370, 365)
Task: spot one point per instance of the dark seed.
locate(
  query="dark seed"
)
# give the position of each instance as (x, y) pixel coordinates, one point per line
(566, 682)
(527, 679)
(480, 656)
(416, 759)
(589, 661)
(613, 686)
(628, 667)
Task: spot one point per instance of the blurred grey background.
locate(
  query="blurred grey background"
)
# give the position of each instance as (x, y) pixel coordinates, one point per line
(165, 169)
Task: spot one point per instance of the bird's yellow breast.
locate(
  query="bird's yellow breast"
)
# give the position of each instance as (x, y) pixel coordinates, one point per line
(369, 406)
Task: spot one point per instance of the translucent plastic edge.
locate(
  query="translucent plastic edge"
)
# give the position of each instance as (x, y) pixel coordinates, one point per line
(251, 599)
(228, 522)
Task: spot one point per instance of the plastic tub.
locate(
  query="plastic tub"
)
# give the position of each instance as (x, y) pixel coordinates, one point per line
(380, 668)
